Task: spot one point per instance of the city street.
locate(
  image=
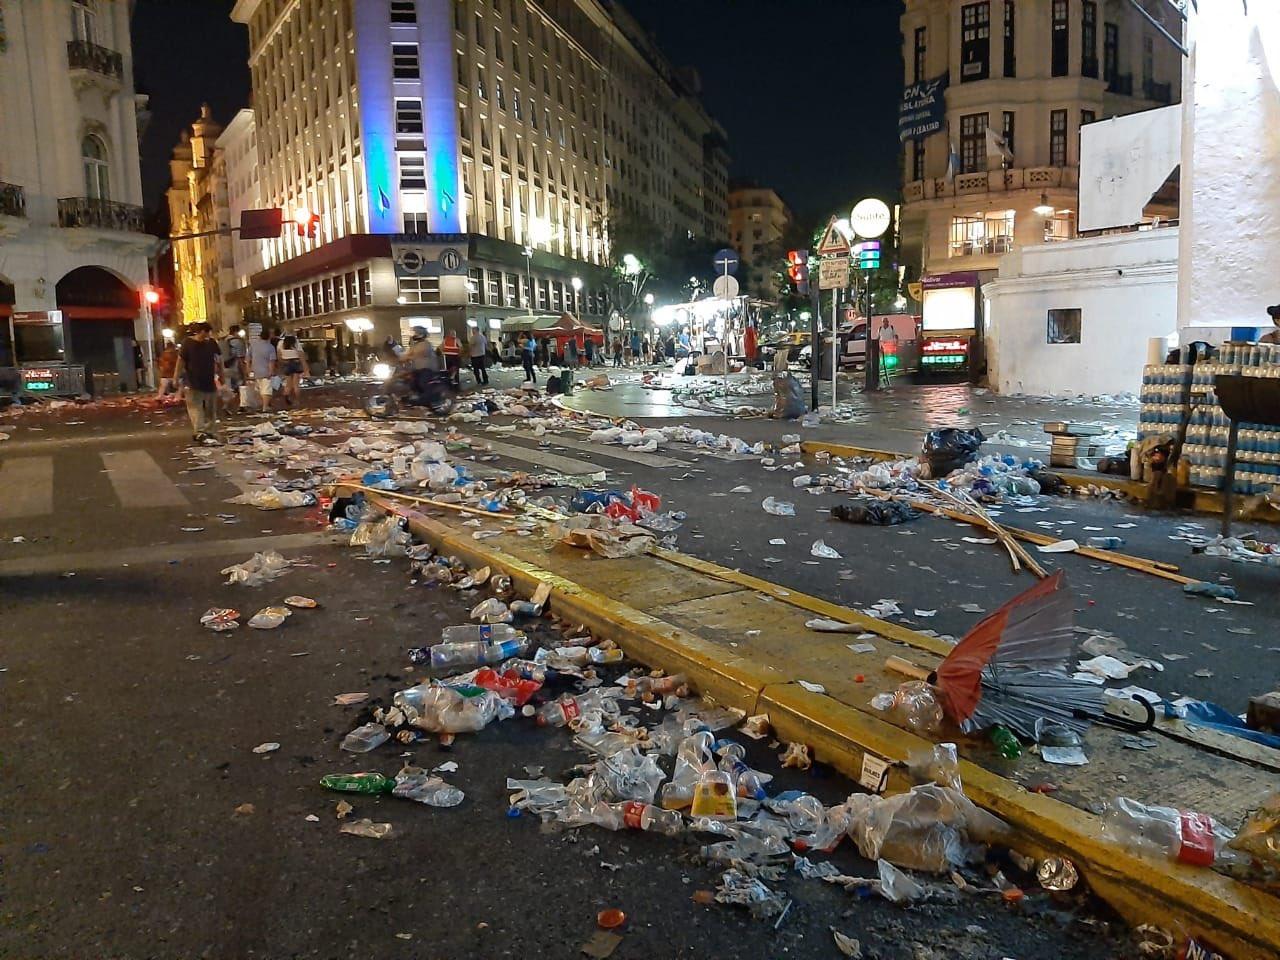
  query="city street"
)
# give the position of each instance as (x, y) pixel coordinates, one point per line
(140, 819)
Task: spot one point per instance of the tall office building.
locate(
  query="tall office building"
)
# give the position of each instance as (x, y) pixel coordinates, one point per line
(458, 153)
(73, 252)
(999, 164)
(758, 220)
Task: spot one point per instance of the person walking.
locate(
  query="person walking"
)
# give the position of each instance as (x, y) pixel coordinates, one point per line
(478, 349)
(197, 367)
(166, 364)
(617, 351)
(139, 368)
(571, 352)
(544, 354)
(290, 357)
(635, 346)
(451, 350)
(749, 345)
(262, 366)
(527, 348)
(233, 366)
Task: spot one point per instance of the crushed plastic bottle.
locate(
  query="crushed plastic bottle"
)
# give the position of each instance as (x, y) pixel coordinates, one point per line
(415, 783)
(365, 738)
(471, 632)
(634, 815)
(1181, 835)
(566, 709)
(631, 775)
(491, 611)
(747, 782)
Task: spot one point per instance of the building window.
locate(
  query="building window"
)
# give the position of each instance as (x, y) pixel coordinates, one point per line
(1110, 52)
(973, 142)
(475, 285)
(494, 289)
(93, 156)
(1060, 226)
(917, 160)
(408, 117)
(419, 289)
(1148, 64)
(1087, 117)
(1061, 38)
(1064, 326)
(482, 83)
(404, 11)
(499, 94)
(413, 171)
(918, 61)
(83, 16)
(982, 234)
(1058, 138)
(404, 61)
(497, 45)
(416, 223)
(1008, 129)
(975, 41)
(1089, 40)
(1010, 39)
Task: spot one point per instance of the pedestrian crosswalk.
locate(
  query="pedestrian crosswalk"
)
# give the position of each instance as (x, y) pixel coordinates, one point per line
(136, 480)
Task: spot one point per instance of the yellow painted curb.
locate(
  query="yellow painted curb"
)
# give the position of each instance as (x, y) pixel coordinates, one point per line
(1241, 921)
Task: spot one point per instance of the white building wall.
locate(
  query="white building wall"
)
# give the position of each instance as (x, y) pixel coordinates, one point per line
(238, 144)
(1230, 213)
(1126, 287)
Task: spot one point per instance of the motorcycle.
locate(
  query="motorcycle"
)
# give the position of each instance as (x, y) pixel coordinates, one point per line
(406, 387)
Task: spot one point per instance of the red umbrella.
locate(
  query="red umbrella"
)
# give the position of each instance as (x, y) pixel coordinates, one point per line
(1030, 632)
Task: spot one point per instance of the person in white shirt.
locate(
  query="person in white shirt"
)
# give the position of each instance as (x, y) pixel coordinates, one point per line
(262, 365)
(479, 350)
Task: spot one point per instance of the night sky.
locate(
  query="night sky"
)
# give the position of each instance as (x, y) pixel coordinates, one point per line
(807, 89)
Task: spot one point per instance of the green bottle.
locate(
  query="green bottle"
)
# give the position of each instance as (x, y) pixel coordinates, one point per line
(372, 783)
(1006, 743)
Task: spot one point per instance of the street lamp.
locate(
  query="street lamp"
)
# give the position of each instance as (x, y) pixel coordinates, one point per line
(167, 333)
(576, 283)
(648, 299)
(631, 264)
(1045, 208)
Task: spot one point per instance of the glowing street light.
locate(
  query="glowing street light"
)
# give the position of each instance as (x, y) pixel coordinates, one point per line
(631, 264)
(151, 295)
(648, 299)
(167, 333)
(538, 230)
(1044, 208)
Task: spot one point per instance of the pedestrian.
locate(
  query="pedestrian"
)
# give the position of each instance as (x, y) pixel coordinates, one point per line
(635, 346)
(526, 356)
(166, 364)
(262, 366)
(233, 366)
(749, 345)
(671, 346)
(617, 351)
(591, 352)
(646, 351)
(478, 349)
(571, 352)
(290, 357)
(139, 367)
(197, 367)
(330, 358)
(451, 350)
(544, 353)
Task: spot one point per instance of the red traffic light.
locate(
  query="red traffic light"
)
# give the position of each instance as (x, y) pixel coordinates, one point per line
(307, 222)
(798, 270)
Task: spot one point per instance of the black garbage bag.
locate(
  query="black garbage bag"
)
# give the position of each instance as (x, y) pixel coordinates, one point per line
(949, 449)
(881, 513)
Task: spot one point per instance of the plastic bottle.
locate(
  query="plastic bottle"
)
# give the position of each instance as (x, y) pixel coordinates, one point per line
(565, 709)
(748, 782)
(1106, 543)
(639, 686)
(1006, 743)
(365, 738)
(370, 783)
(466, 632)
(1181, 835)
(449, 658)
(634, 815)
(613, 655)
(528, 670)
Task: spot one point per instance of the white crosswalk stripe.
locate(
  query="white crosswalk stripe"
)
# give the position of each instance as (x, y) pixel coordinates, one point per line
(26, 487)
(139, 481)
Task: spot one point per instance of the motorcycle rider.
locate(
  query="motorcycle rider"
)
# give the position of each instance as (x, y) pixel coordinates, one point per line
(422, 359)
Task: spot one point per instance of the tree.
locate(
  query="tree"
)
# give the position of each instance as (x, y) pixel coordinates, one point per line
(645, 259)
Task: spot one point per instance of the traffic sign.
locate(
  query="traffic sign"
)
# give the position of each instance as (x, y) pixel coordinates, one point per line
(725, 261)
(834, 243)
(833, 273)
(725, 287)
(870, 218)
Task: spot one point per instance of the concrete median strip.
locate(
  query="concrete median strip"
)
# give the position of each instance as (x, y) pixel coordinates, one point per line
(744, 642)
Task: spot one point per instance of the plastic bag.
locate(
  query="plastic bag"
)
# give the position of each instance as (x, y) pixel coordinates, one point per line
(630, 775)
(738, 888)
(274, 499)
(939, 765)
(881, 513)
(382, 538)
(259, 569)
(930, 827)
(779, 508)
(948, 449)
(415, 783)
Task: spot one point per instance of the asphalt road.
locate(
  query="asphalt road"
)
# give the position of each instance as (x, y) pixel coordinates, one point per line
(129, 728)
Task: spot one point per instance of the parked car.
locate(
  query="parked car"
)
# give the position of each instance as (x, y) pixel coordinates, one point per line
(853, 347)
(796, 344)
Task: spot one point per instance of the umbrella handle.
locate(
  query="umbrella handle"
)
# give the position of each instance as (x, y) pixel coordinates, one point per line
(1123, 723)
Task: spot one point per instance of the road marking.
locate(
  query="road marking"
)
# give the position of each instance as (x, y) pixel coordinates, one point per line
(117, 557)
(617, 452)
(24, 442)
(26, 487)
(551, 461)
(139, 481)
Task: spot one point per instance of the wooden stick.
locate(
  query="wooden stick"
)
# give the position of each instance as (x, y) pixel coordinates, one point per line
(460, 508)
(970, 506)
(1167, 571)
(907, 668)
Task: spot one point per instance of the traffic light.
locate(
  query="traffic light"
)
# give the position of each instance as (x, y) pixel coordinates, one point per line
(307, 222)
(868, 255)
(798, 270)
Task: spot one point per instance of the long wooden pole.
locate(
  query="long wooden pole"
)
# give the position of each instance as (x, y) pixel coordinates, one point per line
(460, 508)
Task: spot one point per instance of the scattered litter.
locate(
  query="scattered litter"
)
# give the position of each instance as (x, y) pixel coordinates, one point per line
(812, 687)
(779, 508)
(220, 619)
(269, 747)
(366, 828)
(1059, 546)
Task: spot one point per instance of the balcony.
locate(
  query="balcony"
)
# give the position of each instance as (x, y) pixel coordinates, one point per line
(1121, 84)
(92, 64)
(13, 201)
(100, 214)
(1037, 179)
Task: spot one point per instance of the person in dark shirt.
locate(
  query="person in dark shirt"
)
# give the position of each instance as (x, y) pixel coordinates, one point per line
(198, 362)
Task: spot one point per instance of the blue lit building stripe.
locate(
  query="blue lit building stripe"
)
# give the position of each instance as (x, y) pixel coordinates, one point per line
(440, 116)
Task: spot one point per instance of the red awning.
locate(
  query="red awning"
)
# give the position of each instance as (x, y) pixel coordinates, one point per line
(72, 312)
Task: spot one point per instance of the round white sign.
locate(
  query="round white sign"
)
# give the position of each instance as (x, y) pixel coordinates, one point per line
(870, 218)
(725, 287)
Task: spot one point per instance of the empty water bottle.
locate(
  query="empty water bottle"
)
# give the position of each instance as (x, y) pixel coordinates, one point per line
(1106, 543)
(370, 783)
(748, 782)
(365, 738)
(634, 815)
(449, 658)
(469, 632)
(565, 709)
